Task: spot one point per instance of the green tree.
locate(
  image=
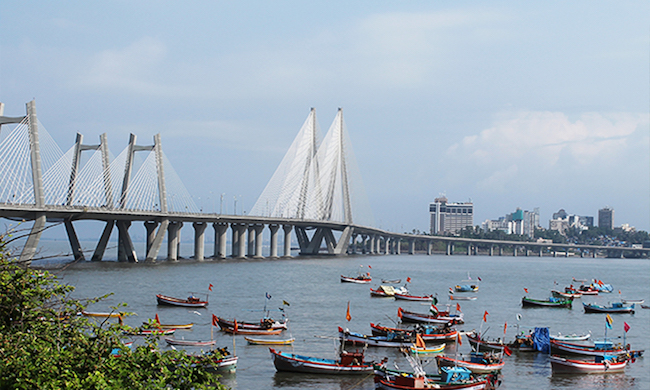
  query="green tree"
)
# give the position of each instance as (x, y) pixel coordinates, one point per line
(45, 345)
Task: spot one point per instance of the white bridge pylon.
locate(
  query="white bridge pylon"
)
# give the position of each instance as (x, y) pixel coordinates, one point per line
(318, 181)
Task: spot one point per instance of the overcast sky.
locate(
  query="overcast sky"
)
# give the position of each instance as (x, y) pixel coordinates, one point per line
(509, 104)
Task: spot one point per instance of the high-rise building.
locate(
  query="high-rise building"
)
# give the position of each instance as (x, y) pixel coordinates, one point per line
(606, 218)
(450, 217)
(521, 222)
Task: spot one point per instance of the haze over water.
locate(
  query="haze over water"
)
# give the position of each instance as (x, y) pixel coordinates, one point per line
(318, 302)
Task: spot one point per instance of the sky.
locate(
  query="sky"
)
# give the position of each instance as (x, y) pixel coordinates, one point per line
(507, 104)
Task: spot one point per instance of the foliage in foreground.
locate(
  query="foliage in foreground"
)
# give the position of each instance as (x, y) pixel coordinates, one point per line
(44, 344)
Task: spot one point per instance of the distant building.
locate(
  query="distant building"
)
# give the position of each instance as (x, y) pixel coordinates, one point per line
(521, 222)
(450, 217)
(606, 218)
(562, 221)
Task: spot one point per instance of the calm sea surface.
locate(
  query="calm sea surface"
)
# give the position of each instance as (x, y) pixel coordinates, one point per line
(318, 302)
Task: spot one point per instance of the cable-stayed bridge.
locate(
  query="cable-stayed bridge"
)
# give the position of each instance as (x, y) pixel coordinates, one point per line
(316, 191)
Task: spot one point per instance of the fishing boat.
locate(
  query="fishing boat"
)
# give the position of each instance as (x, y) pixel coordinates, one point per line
(570, 337)
(420, 348)
(348, 363)
(253, 332)
(387, 291)
(461, 298)
(196, 343)
(427, 332)
(156, 323)
(587, 290)
(478, 362)
(191, 301)
(616, 307)
(362, 279)
(565, 295)
(479, 343)
(152, 332)
(101, 314)
(391, 281)
(602, 287)
(466, 288)
(219, 360)
(396, 340)
(439, 317)
(600, 365)
(550, 302)
(449, 378)
(523, 343)
(407, 297)
(632, 301)
(598, 348)
(266, 341)
(264, 324)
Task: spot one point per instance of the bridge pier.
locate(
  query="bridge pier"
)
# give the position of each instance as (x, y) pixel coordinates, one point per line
(449, 249)
(220, 238)
(514, 251)
(98, 255)
(364, 244)
(238, 240)
(251, 241)
(150, 226)
(173, 240)
(156, 243)
(429, 247)
(491, 250)
(412, 246)
(540, 251)
(125, 249)
(353, 247)
(274, 241)
(469, 249)
(287, 240)
(74, 241)
(259, 230)
(199, 240)
(500, 250)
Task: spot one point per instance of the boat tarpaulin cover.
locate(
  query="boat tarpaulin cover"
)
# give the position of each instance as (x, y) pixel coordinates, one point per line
(542, 340)
(387, 289)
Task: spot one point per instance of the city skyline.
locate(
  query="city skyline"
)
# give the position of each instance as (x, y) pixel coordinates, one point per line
(507, 104)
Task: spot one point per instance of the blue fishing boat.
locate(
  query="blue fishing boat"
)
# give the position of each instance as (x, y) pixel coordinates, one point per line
(616, 307)
(348, 363)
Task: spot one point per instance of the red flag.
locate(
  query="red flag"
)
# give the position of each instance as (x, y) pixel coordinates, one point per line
(419, 342)
(485, 316)
(214, 321)
(459, 338)
(157, 319)
(399, 312)
(236, 326)
(210, 287)
(505, 328)
(347, 314)
(525, 289)
(458, 307)
(507, 350)
(370, 267)
(408, 280)
(479, 278)
(626, 327)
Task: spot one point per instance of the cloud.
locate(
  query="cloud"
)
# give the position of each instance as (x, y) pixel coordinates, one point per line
(529, 147)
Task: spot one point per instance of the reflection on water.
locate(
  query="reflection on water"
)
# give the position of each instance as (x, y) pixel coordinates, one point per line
(288, 380)
(593, 381)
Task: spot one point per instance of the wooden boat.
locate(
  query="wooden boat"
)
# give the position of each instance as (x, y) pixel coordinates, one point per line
(391, 281)
(407, 297)
(632, 301)
(348, 363)
(616, 307)
(462, 298)
(101, 314)
(600, 365)
(441, 317)
(424, 350)
(155, 332)
(598, 348)
(191, 301)
(223, 365)
(645, 307)
(523, 343)
(386, 291)
(265, 341)
(428, 333)
(570, 337)
(198, 343)
(566, 295)
(362, 279)
(466, 288)
(480, 344)
(550, 302)
(397, 340)
(170, 326)
(587, 290)
(253, 332)
(263, 324)
(478, 363)
(449, 378)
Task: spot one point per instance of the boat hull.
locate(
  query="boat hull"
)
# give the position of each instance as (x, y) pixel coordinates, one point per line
(587, 350)
(529, 302)
(405, 297)
(346, 279)
(484, 345)
(171, 301)
(373, 341)
(560, 365)
(306, 364)
(592, 308)
(477, 368)
(257, 341)
(228, 324)
(390, 384)
(172, 341)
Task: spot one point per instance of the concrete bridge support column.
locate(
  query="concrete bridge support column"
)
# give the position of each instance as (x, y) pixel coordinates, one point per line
(527, 251)
(593, 254)
(514, 251)
(98, 255)
(74, 241)
(429, 247)
(469, 249)
(173, 239)
(554, 253)
(220, 237)
(411, 246)
(500, 250)
(199, 240)
(582, 253)
(491, 250)
(353, 248)
(398, 246)
(151, 233)
(251, 241)
(259, 231)
(449, 249)
(287, 240)
(241, 250)
(234, 241)
(566, 252)
(125, 249)
(371, 244)
(364, 244)
(541, 251)
(156, 243)
(274, 241)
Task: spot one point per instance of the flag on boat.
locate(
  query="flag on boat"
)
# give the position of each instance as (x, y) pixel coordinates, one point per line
(347, 314)
(434, 310)
(485, 316)
(210, 287)
(459, 338)
(419, 342)
(608, 321)
(505, 328)
(408, 279)
(285, 303)
(479, 278)
(507, 350)
(369, 267)
(268, 296)
(236, 326)
(157, 319)
(214, 321)
(626, 327)
(458, 306)
(525, 289)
